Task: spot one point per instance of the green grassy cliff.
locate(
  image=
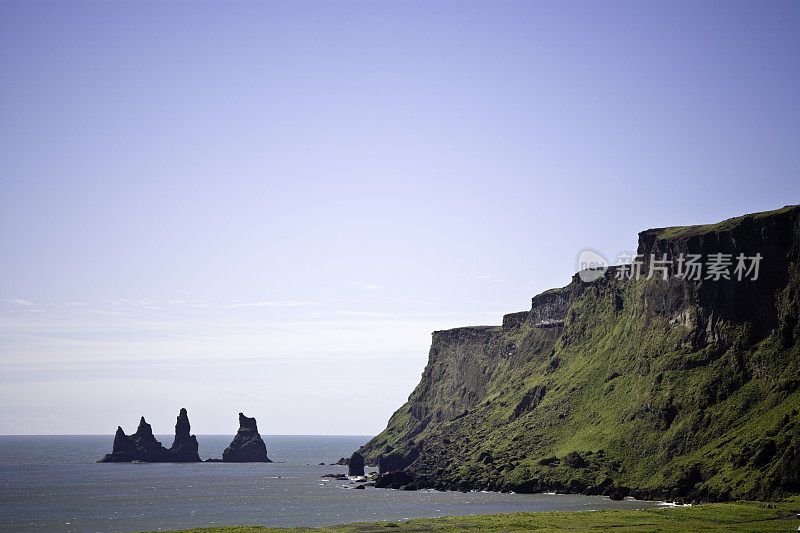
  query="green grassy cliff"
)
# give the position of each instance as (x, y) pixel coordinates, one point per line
(677, 389)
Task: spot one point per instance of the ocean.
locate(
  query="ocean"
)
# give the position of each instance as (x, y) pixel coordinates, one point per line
(51, 483)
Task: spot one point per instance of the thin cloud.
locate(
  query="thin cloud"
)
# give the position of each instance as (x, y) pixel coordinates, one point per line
(366, 286)
(365, 313)
(22, 302)
(290, 303)
(105, 312)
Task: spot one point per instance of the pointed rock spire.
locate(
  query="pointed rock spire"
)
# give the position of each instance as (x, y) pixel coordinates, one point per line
(182, 426)
(122, 443)
(184, 447)
(144, 428)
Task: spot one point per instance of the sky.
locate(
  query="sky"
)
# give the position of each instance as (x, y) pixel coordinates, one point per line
(268, 207)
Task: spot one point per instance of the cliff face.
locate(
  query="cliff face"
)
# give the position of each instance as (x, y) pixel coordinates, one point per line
(676, 388)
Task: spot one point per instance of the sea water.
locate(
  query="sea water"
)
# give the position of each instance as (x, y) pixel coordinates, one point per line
(51, 483)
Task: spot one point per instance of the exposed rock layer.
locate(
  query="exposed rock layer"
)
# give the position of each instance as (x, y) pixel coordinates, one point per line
(682, 389)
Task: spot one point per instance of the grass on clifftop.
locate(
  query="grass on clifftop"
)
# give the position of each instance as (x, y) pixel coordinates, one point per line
(674, 232)
(741, 516)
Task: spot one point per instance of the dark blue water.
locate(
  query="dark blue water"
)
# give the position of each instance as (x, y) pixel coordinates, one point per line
(52, 484)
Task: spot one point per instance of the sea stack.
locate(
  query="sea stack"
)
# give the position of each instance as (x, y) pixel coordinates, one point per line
(247, 446)
(184, 447)
(355, 467)
(148, 449)
(123, 450)
(143, 447)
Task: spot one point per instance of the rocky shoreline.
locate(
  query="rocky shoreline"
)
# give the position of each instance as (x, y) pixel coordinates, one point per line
(403, 480)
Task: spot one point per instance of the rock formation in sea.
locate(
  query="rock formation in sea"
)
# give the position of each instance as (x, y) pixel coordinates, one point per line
(123, 451)
(142, 446)
(355, 467)
(184, 447)
(247, 446)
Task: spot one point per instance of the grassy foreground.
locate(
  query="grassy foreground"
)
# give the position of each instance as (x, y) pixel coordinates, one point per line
(741, 516)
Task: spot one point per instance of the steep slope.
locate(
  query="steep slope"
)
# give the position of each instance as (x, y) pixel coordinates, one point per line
(676, 388)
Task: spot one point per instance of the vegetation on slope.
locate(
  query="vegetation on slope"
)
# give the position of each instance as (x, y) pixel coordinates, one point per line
(673, 389)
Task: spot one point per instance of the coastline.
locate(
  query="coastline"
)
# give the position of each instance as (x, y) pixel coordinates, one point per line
(49, 479)
(614, 492)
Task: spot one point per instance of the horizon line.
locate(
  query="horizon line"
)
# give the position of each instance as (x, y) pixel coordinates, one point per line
(195, 434)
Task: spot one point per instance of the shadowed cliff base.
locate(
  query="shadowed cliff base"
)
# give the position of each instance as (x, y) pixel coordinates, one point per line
(680, 388)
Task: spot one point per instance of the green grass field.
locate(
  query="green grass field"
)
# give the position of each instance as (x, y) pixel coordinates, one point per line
(741, 516)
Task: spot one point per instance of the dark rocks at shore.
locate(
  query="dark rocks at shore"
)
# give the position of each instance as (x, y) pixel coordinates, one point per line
(142, 446)
(618, 493)
(394, 461)
(247, 446)
(405, 480)
(395, 480)
(355, 466)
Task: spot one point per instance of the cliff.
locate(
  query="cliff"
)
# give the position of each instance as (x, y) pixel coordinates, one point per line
(683, 388)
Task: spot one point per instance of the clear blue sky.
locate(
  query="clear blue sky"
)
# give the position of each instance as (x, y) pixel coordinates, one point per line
(268, 206)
